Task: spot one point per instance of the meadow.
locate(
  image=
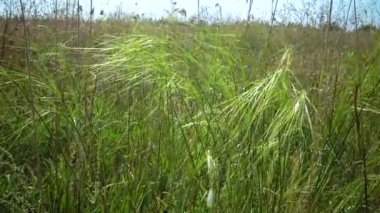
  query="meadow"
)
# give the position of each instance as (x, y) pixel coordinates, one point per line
(142, 116)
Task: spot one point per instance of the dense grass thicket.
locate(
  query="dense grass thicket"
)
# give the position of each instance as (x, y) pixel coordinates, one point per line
(184, 118)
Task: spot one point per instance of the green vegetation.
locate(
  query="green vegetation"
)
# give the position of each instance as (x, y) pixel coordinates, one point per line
(290, 117)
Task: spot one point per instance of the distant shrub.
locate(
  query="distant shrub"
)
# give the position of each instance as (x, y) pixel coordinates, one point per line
(334, 26)
(367, 28)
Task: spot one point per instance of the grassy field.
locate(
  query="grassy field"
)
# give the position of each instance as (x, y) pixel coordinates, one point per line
(155, 117)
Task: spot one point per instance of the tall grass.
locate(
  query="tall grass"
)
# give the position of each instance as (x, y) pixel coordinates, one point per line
(132, 126)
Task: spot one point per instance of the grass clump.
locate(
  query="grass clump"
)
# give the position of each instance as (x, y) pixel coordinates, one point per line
(128, 129)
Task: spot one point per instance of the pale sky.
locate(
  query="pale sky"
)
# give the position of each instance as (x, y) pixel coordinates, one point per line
(156, 8)
(288, 10)
(235, 8)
